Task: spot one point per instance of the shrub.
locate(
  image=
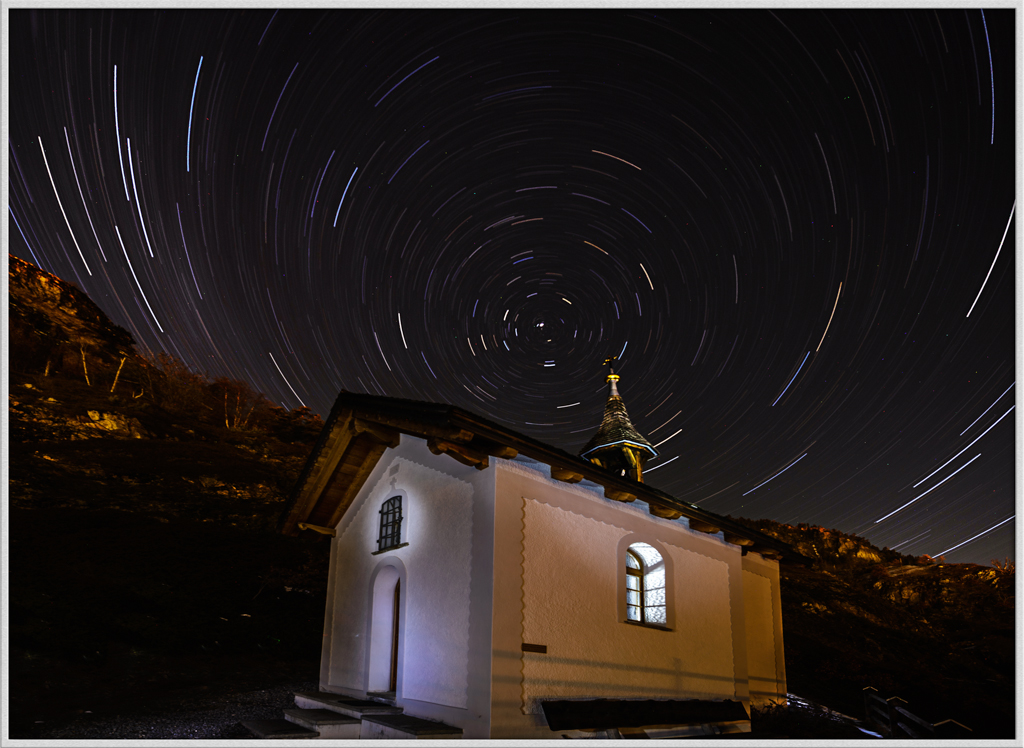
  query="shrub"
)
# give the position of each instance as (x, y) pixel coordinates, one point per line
(179, 389)
(243, 407)
(1006, 567)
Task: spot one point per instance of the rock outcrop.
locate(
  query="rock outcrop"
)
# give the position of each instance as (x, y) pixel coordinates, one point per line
(49, 317)
(939, 635)
(96, 425)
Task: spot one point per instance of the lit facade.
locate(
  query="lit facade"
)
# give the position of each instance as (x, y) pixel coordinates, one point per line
(511, 581)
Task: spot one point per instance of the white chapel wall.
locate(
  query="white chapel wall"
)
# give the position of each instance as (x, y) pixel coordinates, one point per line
(437, 570)
(765, 654)
(557, 546)
(571, 600)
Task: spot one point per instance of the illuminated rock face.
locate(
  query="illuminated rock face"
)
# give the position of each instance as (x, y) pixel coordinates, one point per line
(513, 589)
(47, 313)
(107, 424)
(95, 424)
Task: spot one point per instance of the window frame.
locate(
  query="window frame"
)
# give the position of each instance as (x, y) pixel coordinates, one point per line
(638, 574)
(624, 552)
(389, 528)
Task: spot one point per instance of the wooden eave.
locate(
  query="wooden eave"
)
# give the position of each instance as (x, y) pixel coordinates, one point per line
(361, 427)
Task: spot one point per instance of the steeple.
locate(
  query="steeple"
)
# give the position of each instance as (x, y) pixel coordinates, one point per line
(617, 445)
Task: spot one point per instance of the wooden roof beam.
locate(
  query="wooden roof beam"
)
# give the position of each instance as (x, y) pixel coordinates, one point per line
(664, 512)
(737, 539)
(565, 475)
(701, 526)
(505, 453)
(418, 428)
(317, 528)
(462, 453)
(490, 447)
(617, 495)
(384, 434)
(356, 483)
(327, 462)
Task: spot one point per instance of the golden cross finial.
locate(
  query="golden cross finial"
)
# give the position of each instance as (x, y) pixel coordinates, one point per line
(612, 376)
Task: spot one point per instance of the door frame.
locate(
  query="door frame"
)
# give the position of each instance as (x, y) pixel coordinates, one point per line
(396, 647)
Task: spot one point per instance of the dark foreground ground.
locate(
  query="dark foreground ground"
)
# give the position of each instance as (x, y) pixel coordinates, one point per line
(203, 714)
(212, 714)
(125, 626)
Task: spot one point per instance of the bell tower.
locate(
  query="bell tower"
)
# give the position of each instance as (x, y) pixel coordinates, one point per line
(617, 445)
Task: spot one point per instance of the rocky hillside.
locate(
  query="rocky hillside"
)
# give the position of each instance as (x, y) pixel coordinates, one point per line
(144, 561)
(52, 322)
(144, 558)
(95, 424)
(938, 635)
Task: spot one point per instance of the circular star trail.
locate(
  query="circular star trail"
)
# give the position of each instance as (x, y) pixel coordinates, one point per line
(795, 229)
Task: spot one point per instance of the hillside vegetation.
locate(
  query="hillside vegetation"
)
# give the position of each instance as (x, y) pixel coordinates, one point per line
(144, 558)
(940, 636)
(145, 562)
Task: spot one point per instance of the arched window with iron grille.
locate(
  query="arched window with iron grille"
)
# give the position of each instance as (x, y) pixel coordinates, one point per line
(645, 585)
(390, 535)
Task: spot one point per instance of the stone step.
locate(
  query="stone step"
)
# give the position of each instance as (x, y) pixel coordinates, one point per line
(280, 729)
(327, 723)
(347, 705)
(403, 726)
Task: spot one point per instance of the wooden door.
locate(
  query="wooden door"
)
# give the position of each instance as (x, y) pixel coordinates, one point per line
(393, 680)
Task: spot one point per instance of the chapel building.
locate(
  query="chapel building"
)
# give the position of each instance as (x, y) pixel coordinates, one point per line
(487, 582)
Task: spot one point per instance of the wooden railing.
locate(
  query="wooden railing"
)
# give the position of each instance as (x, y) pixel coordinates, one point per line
(893, 720)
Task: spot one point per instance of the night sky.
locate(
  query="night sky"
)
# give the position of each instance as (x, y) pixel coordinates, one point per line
(793, 227)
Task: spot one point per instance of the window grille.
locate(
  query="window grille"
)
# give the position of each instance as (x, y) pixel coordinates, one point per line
(645, 585)
(634, 586)
(390, 534)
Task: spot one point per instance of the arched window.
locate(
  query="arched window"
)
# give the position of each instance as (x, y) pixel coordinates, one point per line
(390, 535)
(645, 585)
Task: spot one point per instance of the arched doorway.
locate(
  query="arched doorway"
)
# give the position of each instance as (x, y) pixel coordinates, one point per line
(385, 629)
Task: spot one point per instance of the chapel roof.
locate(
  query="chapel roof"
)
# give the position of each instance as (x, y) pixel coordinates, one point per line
(360, 428)
(616, 428)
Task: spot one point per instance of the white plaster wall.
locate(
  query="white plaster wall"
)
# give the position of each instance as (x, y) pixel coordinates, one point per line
(438, 559)
(437, 509)
(690, 556)
(762, 665)
(570, 601)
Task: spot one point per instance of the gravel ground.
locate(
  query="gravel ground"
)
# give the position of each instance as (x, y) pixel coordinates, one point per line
(217, 716)
(207, 718)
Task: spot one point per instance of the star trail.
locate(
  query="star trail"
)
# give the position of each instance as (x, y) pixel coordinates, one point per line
(790, 225)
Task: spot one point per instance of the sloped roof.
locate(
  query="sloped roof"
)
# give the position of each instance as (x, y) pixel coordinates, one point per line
(361, 427)
(616, 428)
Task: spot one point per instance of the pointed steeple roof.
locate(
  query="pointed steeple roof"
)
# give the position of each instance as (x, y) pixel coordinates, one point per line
(616, 430)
